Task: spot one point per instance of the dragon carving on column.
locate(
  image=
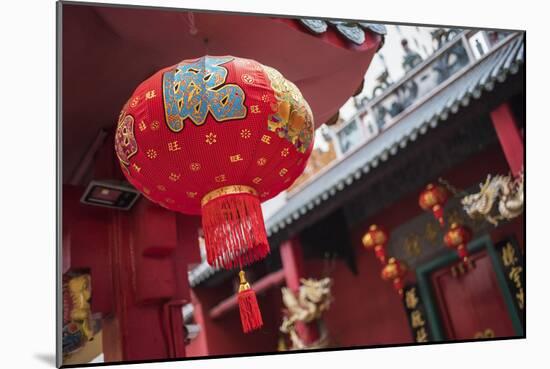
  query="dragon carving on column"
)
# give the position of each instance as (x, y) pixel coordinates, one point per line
(505, 192)
(313, 299)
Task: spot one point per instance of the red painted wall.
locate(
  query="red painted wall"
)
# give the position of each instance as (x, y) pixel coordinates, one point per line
(224, 336)
(131, 285)
(366, 310)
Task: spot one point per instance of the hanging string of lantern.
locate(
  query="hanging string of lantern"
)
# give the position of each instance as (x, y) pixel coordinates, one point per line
(457, 237)
(434, 198)
(217, 136)
(393, 270)
(376, 239)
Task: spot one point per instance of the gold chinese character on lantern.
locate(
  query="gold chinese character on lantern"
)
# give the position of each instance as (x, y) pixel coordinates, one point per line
(235, 158)
(173, 146)
(220, 178)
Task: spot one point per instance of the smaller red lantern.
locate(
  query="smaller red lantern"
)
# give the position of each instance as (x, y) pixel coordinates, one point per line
(395, 271)
(376, 238)
(457, 237)
(434, 198)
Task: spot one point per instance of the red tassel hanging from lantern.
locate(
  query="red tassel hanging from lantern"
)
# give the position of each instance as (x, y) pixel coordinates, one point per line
(217, 136)
(234, 227)
(376, 238)
(395, 271)
(434, 198)
(251, 317)
(457, 237)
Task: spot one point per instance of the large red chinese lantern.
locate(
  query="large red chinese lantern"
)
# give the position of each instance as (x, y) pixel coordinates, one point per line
(395, 271)
(434, 198)
(217, 136)
(457, 237)
(376, 238)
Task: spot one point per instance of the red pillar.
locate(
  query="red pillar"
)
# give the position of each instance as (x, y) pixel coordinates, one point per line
(509, 136)
(293, 263)
(293, 266)
(137, 260)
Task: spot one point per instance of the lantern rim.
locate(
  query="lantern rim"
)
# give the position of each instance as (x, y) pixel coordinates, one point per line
(228, 190)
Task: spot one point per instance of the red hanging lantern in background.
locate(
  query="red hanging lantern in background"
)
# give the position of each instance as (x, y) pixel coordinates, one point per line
(395, 271)
(457, 237)
(217, 136)
(434, 198)
(376, 238)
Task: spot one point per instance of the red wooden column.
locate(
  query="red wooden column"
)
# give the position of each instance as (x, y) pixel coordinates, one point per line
(509, 136)
(293, 267)
(150, 248)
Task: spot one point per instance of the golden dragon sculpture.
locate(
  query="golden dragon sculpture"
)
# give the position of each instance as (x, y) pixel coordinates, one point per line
(505, 192)
(313, 299)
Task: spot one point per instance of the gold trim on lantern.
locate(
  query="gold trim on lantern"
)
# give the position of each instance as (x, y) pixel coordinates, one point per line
(227, 190)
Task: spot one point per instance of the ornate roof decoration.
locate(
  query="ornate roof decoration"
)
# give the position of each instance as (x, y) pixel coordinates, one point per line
(352, 31)
(477, 77)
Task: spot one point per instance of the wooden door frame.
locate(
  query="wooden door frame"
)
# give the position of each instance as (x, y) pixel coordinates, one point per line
(426, 291)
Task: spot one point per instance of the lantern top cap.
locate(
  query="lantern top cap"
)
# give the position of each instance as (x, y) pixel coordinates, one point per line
(373, 227)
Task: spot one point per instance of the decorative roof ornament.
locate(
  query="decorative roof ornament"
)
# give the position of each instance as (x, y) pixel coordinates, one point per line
(352, 30)
(315, 25)
(375, 27)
